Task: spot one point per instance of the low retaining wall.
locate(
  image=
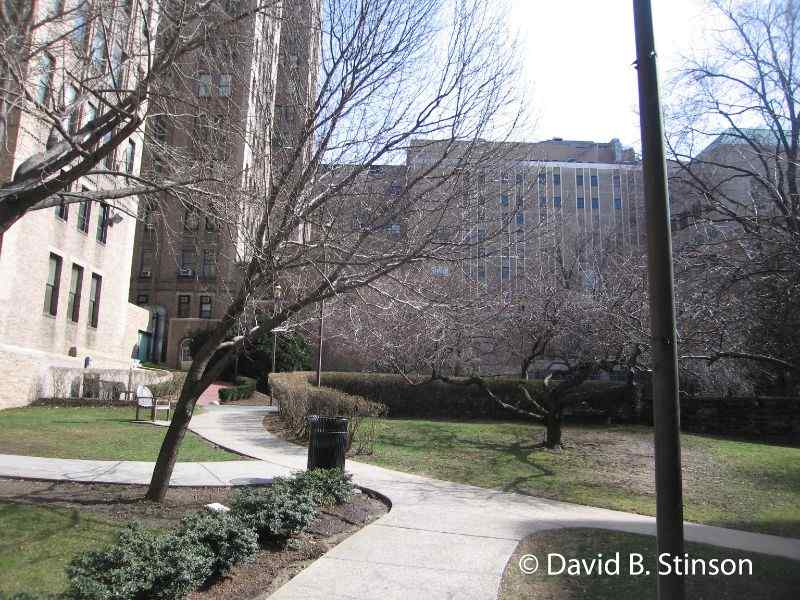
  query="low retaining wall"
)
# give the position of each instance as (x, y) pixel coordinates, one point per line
(96, 387)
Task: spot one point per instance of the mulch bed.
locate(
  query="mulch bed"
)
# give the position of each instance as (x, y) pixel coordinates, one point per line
(272, 567)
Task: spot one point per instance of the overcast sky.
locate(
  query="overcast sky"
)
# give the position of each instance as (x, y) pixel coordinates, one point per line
(578, 56)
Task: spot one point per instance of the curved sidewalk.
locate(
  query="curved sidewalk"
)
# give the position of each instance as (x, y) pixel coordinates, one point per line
(441, 540)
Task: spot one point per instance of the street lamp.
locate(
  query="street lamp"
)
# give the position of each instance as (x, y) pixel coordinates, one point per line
(276, 296)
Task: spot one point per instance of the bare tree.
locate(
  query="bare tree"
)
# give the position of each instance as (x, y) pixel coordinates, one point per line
(392, 73)
(83, 73)
(737, 200)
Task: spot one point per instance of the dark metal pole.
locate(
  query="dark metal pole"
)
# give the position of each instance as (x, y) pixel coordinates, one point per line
(666, 408)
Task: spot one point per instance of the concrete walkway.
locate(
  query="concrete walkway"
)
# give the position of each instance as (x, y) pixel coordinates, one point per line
(441, 540)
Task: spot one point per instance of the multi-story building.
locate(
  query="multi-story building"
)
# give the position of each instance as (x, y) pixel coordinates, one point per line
(234, 120)
(64, 270)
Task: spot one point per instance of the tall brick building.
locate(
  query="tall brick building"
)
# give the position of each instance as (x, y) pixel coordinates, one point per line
(64, 270)
(237, 111)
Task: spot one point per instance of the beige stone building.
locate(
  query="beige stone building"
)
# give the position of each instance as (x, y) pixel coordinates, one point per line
(64, 271)
(241, 102)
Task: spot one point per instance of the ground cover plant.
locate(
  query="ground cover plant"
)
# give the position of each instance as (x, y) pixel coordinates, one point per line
(93, 433)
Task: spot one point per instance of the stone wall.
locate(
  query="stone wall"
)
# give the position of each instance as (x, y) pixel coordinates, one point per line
(27, 374)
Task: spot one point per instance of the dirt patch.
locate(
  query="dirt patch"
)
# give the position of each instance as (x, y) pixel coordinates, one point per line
(276, 565)
(113, 502)
(257, 399)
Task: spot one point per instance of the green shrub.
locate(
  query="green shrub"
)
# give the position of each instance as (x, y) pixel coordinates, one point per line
(327, 487)
(274, 512)
(227, 539)
(298, 399)
(141, 564)
(443, 400)
(244, 388)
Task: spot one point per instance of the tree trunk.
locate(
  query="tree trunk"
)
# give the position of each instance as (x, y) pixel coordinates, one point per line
(553, 429)
(159, 483)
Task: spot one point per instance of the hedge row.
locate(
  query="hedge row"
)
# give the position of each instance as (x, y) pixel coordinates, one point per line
(205, 546)
(244, 388)
(298, 398)
(442, 400)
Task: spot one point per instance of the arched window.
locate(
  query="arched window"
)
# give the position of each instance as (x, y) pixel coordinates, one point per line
(186, 350)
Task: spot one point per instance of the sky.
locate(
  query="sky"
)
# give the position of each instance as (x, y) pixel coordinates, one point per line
(578, 57)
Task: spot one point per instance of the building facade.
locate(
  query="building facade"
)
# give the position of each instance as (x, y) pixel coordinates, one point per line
(244, 97)
(64, 270)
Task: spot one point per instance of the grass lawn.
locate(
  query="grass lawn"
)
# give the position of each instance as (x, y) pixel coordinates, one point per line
(38, 542)
(772, 578)
(730, 483)
(93, 433)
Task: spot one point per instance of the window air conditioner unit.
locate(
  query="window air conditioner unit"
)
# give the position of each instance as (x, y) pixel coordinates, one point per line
(187, 271)
(145, 273)
(149, 227)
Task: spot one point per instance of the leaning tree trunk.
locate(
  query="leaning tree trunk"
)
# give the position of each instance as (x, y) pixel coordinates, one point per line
(165, 464)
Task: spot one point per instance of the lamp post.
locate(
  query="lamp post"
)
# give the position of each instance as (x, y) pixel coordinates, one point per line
(666, 408)
(276, 296)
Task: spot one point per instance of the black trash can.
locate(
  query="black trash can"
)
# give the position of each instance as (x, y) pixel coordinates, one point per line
(327, 442)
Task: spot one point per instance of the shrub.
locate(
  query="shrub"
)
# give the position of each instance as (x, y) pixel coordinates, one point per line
(442, 400)
(244, 388)
(274, 512)
(227, 539)
(169, 389)
(326, 487)
(298, 399)
(141, 564)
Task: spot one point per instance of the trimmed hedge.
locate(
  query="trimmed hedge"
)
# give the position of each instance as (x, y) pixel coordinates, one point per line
(298, 399)
(443, 400)
(244, 388)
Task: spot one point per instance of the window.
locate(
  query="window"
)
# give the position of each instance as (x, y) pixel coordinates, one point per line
(62, 211)
(616, 180)
(94, 299)
(580, 202)
(595, 202)
(142, 299)
(208, 268)
(440, 270)
(481, 272)
(84, 213)
(70, 120)
(205, 307)
(505, 269)
(187, 262)
(99, 45)
(579, 180)
(108, 160)
(543, 202)
(91, 113)
(75, 285)
(594, 180)
(79, 22)
(186, 350)
(556, 178)
(520, 218)
(52, 285)
(212, 219)
(393, 228)
(618, 203)
(117, 71)
(102, 223)
(130, 156)
(224, 88)
(557, 201)
(190, 220)
(542, 177)
(395, 189)
(204, 85)
(44, 82)
(184, 305)
(146, 264)
(54, 7)
(503, 199)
